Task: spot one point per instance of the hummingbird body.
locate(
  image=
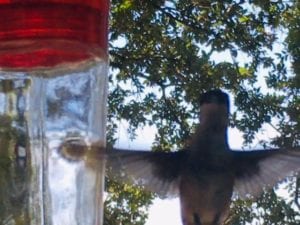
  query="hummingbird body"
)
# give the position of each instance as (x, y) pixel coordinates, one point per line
(206, 173)
(206, 198)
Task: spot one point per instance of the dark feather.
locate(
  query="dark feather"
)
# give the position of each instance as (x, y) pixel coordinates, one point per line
(156, 171)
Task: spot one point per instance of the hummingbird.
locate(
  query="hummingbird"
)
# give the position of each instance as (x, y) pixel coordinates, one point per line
(207, 172)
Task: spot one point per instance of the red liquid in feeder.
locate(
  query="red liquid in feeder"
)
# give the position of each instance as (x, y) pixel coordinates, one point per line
(46, 33)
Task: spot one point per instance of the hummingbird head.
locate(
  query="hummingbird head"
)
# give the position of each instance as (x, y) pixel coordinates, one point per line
(214, 109)
(215, 97)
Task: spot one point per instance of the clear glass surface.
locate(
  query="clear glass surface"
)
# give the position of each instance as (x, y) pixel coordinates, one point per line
(51, 131)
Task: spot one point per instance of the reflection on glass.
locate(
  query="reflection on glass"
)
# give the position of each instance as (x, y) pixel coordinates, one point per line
(50, 133)
(14, 175)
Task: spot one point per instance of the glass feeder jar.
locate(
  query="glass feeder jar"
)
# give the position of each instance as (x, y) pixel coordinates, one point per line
(53, 90)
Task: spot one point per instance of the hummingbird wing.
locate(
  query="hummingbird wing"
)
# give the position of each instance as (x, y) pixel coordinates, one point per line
(259, 169)
(156, 171)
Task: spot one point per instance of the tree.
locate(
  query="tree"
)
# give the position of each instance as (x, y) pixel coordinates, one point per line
(163, 57)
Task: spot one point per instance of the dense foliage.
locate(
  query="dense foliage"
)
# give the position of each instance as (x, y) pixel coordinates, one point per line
(164, 54)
